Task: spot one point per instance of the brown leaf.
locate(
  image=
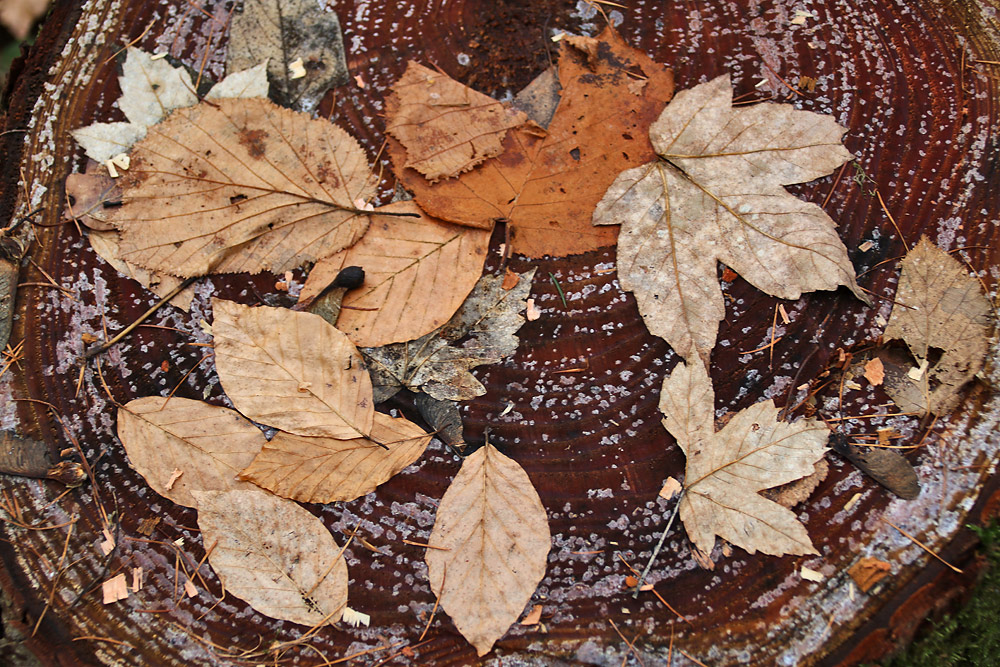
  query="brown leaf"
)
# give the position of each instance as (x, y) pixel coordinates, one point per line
(438, 363)
(105, 244)
(241, 185)
(91, 194)
(274, 555)
(727, 470)
(18, 16)
(211, 445)
(715, 195)
(940, 307)
(418, 272)
(888, 468)
(874, 371)
(445, 127)
(325, 470)
(491, 539)
(292, 371)
(869, 571)
(10, 269)
(546, 186)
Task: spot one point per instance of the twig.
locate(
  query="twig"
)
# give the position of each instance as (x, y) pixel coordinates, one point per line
(437, 601)
(629, 644)
(885, 209)
(103, 347)
(659, 545)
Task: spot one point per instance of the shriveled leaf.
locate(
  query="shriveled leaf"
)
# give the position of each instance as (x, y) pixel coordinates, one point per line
(292, 371)
(438, 363)
(418, 272)
(445, 127)
(716, 194)
(250, 82)
(444, 418)
(208, 444)
(283, 32)
(241, 185)
(491, 541)
(888, 468)
(274, 555)
(726, 470)
(939, 306)
(105, 244)
(546, 182)
(325, 470)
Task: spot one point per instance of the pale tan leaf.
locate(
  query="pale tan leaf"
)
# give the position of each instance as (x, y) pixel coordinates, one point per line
(436, 363)
(716, 194)
(491, 539)
(251, 82)
(325, 470)
(151, 89)
(939, 306)
(445, 127)
(291, 370)
(18, 16)
(103, 141)
(418, 271)
(208, 444)
(105, 244)
(726, 470)
(241, 185)
(274, 555)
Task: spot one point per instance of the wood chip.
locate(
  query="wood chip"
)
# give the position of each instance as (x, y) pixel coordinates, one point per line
(296, 69)
(136, 579)
(108, 545)
(810, 574)
(869, 571)
(532, 312)
(784, 314)
(510, 280)
(852, 502)
(355, 618)
(190, 590)
(670, 488)
(174, 476)
(115, 589)
(875, 371)
(148, 525)
(533, 616)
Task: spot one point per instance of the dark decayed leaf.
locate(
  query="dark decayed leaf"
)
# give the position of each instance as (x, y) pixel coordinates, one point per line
(888, 468)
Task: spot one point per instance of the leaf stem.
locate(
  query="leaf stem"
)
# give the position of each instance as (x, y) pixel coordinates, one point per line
(659, 546)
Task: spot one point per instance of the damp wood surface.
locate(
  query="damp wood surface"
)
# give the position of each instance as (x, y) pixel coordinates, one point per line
(577, 404)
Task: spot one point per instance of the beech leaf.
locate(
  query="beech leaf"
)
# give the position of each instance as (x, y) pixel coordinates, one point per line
(490, 545)
(445, 127)
(418, 271)
(547, 181)
(726, 470)
(939, 306)
(208, 444)
(274, 555)
(291, 370)
(105, 244)
(325, 470)
(715, 194)
(481, 332)
(239, 185)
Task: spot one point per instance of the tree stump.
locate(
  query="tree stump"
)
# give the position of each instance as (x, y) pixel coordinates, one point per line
(916, 84)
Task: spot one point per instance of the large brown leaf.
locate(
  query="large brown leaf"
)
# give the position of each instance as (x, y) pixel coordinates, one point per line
(241, 185)
(445, 127)
(546, 183)
(292, 371)
(726, 470)
(938, 305)
(418, 270)
(206, 444)
(325, 470)
(274, 555)
(489, 546)
(715, 194)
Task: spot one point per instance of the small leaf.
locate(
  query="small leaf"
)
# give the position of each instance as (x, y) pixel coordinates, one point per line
(103, 141)
(491, 540)
(246, 83)
(274, 555)
(209, 444)
(325, 470)
(151, 89)
(292, 371)
(418, 272)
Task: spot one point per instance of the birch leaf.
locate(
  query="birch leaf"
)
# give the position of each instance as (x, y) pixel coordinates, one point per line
(481, 332)
(245, 83)
(208, 444)
(239, 185)
(445, 127)
(291, 370)
(726, 470)
(490, 544)
(716, 194)
(105, 244)
(274, 555)
(939, 306)
(325, 470)
(418, 271)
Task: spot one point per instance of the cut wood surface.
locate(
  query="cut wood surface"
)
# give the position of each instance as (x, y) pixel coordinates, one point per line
(577, 405)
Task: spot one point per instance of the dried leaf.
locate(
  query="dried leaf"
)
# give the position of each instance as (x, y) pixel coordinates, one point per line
(274, 555)
(445, 127)
(727, 470)
(241, 185)
(325, 470)
(874, 371)
(211, 445)
(281, 32)
(90, 195)
(869, 571)
(18, 16)
(444, 418)
(418, 271)
(481, 332)
(491, 539)
(246, 83)
(546, 183)
(292, 371)
(103, 141)
(715, 195)
(671, 488)
(888, 468)
(940, 307)
(10, 269)
(105, 244)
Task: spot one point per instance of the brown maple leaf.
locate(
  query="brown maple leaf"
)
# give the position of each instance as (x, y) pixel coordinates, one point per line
(546, 182)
